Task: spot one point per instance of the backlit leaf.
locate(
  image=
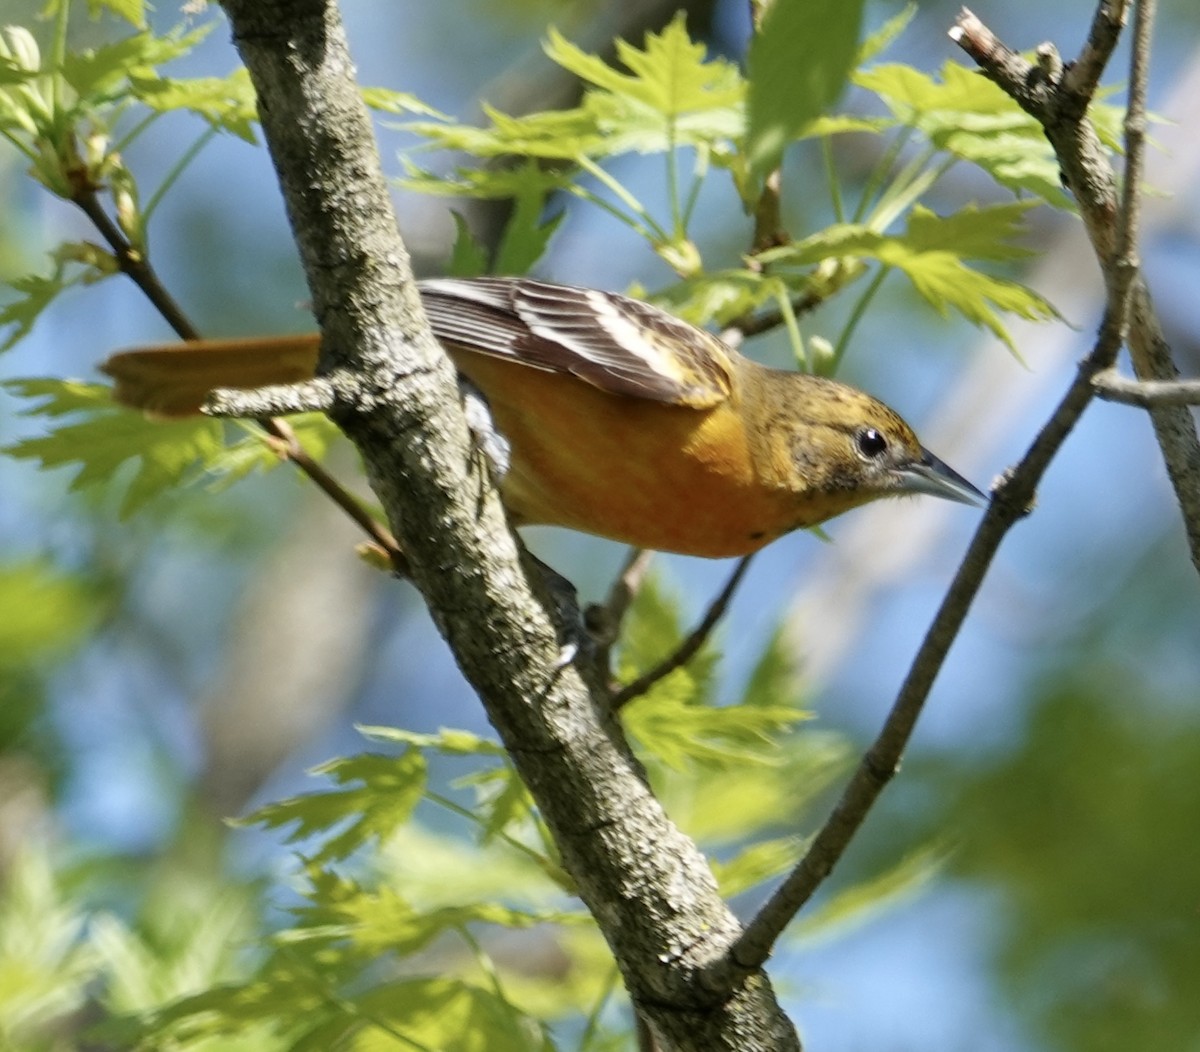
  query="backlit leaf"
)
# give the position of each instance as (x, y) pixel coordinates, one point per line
(799, 62)
(108, 438)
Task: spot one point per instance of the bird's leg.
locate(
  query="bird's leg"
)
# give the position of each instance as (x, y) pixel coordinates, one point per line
(565, 597)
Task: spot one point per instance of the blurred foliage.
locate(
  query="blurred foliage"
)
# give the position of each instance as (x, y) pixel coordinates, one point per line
(1088, 833)
(418, 916)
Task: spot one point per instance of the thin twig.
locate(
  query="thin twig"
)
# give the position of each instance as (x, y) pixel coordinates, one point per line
(134, 265)
(1146, 393)
(1090, 177)
(284, 441)
(1084, 75)
(832, 276)
(1012, 499)
(603, 620)
(690, 646)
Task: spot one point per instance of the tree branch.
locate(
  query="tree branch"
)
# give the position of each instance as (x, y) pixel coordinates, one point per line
(134, 265)
(648, 887)
(1146, 393)
(1056, 104)
(1012, 499)
(690, 646)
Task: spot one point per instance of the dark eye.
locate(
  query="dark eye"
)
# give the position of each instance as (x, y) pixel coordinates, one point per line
(870, 442)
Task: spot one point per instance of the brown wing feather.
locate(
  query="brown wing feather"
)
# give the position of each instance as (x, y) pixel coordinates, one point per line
(615, 343)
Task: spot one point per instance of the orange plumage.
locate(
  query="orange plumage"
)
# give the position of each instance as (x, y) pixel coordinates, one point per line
(623, 421)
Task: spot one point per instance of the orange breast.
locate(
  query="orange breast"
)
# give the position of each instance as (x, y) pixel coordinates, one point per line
(645, 473)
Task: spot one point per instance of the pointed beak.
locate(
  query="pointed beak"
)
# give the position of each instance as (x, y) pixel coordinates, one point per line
(930, 475)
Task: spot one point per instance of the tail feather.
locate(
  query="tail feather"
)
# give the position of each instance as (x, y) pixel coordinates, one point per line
(175, 380)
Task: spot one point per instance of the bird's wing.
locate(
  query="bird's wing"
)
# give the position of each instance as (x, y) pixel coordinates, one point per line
(615, 343)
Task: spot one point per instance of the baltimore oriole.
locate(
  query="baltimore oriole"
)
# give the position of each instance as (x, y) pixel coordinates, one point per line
(623, 421)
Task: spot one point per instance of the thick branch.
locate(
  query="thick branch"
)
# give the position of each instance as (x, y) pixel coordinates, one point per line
(647, 885)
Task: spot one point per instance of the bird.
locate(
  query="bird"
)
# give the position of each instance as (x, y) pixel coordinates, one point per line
(621, 420)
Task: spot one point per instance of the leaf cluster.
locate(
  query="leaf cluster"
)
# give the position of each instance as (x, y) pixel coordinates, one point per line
(407, 934)
(72, 113)
(128, 454)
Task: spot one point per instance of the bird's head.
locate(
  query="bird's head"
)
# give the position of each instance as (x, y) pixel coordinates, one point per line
(851, 448)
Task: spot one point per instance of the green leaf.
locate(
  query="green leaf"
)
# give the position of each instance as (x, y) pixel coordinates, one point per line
(653, 628)
(973, 232)
(315, 432)
(390, 788)
(75, 263)
(447, 741)
(670, 96)
(441, 869)
(489, 183)
(35, 293)
(227, 103)
(930, 253)
(468, 258)
(55, 611)
(717, 296)
(387, 100)
(133, 11)
(109, 438)
(382, 920)
(525, 235)
(858, 903)
(503, 805)
(724, 806)
(552, 135)
(291, 992)
(674, 721)
(970, 117)
(756, 863)
(799, 62)
(886, 35)
(100, 75)
(45, 968)
(675, 729)
(670, 77)
(449, 1015)
(775, 679)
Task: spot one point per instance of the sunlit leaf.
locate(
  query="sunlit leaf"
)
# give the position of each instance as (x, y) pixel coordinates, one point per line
(883, 37)
(670, 76)
(388, 789)
(931, 254)
(227, 103)
(799, 62)
(387, 100)
(445, 1014)
(717, 296)
(447, 741)
(971, 117)
(756, 863)
(680, 732)
(133, 11)
(45, 970)
(98, 74)
(868, 898)
(381, 920)
(107, 439)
